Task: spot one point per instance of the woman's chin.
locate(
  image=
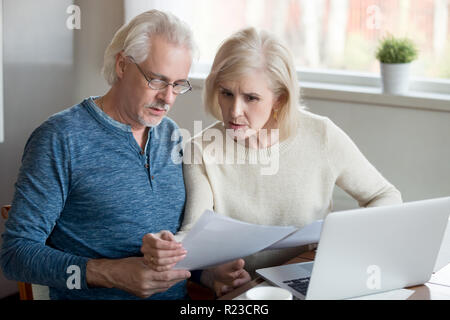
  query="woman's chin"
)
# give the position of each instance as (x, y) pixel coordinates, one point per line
(237, 135)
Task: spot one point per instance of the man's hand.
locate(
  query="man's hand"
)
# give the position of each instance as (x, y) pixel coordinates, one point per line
(161, 251)
(226, 277)
(131, 275)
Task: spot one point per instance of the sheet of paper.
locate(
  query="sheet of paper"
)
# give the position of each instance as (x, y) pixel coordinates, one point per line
(399, 294)
(216, 239)
(442, 277)
(307, 235)
(443, 258)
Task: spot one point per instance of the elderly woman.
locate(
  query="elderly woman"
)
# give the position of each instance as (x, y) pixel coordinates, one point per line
(270, 162)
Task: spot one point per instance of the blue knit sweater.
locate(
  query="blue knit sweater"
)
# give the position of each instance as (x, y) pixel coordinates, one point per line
(84, 191)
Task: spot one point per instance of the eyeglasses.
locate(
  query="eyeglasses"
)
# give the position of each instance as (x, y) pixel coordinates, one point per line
(179, 86)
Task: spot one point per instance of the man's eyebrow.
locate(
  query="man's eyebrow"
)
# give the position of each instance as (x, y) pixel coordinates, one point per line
(163, 77)
(157, 75)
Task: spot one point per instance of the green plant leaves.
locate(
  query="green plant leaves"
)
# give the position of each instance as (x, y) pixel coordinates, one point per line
(396, 50)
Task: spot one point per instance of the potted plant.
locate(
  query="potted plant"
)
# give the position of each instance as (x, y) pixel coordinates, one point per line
(395, 56)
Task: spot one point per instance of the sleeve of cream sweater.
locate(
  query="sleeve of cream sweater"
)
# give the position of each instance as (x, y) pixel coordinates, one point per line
(355, 174)
(199, 196)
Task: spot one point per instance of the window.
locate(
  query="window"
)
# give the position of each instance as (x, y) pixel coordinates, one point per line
(323, 34)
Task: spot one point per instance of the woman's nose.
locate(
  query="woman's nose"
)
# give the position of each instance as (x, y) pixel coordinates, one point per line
(236, 108)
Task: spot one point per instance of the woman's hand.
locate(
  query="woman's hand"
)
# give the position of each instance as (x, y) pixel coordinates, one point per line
(226, 277)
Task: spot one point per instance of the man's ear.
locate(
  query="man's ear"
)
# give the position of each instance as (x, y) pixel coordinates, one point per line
(120, 64)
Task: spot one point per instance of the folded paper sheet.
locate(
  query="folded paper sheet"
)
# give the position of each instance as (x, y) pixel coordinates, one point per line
(216, 239)
(443, 258)
(306, 235)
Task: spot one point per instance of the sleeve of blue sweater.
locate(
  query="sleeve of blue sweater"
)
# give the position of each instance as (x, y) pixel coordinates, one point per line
(41, 189)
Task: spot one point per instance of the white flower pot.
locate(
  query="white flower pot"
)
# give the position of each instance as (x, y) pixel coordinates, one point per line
(395, 77)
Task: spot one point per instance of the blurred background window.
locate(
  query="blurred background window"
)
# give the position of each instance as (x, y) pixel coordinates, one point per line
(323, 34)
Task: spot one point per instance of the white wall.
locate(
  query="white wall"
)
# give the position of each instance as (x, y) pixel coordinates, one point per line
(47, 68)
(408, 146)
(100, 21)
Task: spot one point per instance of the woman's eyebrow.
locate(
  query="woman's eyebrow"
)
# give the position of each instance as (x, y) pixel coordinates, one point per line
(253, 94)
(223, 88)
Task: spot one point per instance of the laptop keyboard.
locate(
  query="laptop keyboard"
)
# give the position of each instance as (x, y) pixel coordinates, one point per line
(301, 285)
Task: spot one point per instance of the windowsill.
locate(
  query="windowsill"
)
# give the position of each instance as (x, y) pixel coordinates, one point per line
(345, 87)
(373, 95)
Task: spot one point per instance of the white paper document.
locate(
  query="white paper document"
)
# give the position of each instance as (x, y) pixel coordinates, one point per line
(443, 258)
(442, 276)
(216, 239)
(307, 235)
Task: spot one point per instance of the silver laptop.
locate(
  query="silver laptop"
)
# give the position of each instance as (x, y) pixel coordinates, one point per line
(369, 250)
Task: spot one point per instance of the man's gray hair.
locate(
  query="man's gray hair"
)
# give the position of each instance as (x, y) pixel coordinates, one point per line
(134, 39)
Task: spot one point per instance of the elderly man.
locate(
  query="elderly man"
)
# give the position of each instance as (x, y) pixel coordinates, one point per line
(97, 180)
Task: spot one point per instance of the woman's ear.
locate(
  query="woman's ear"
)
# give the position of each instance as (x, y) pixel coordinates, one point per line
(280, 101)
(120, 64)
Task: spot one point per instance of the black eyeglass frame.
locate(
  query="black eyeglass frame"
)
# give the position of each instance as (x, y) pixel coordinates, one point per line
(165, 83)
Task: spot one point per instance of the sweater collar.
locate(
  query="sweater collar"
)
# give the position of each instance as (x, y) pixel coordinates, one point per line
(261, 153)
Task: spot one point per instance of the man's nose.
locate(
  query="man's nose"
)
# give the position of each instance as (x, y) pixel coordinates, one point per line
(167, 95)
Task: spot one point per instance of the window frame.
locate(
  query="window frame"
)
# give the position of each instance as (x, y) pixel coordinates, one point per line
(357, 87)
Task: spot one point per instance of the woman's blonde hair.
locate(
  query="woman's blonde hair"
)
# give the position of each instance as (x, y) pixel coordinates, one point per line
(249, 50)
(134, 39)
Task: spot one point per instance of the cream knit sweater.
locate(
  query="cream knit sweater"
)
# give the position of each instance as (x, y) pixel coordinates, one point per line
(290, 183)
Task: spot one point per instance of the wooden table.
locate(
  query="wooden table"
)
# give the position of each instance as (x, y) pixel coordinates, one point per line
(435, 289)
